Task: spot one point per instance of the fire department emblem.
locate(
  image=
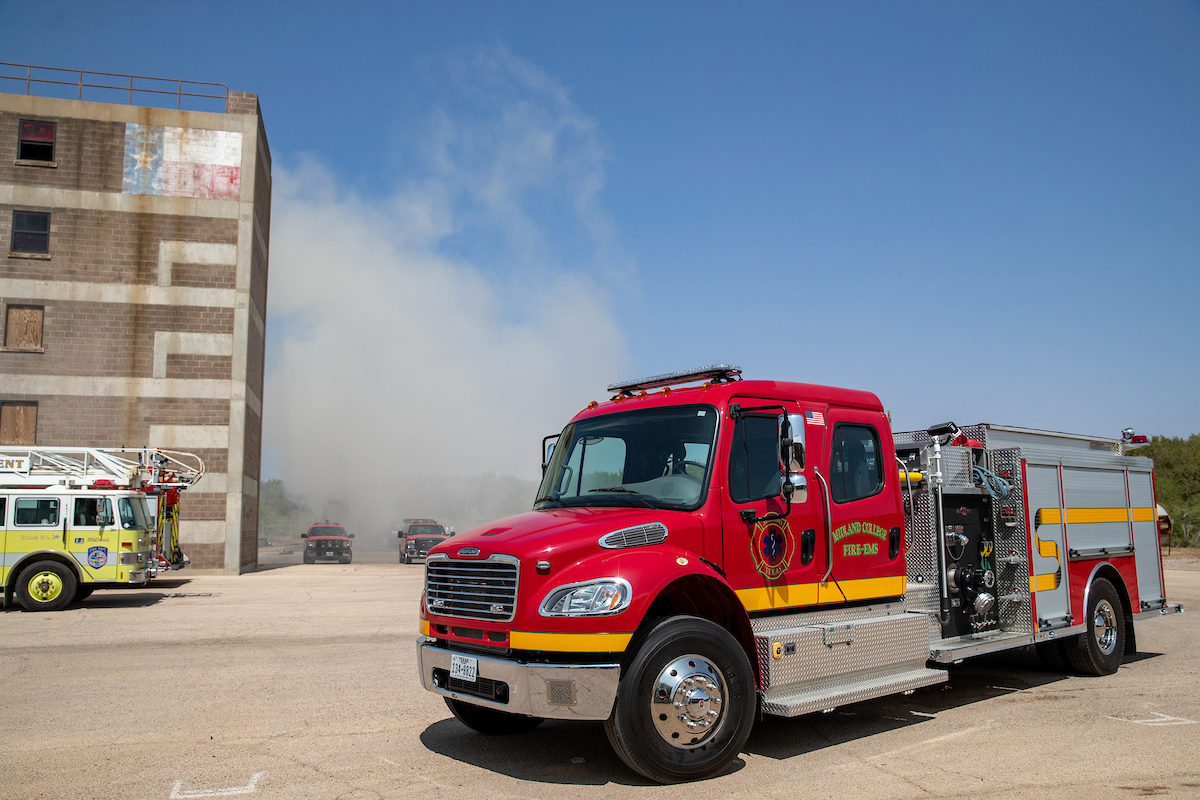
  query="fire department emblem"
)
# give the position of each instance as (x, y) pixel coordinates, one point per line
(773, 548)
(97, 556)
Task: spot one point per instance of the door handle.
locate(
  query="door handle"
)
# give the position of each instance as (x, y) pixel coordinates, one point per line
(827, 503)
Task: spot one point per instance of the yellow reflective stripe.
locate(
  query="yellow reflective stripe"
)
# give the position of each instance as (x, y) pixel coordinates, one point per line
(423, 627)
(1042, 583)
(1047, 549)
(570, 642)
(1082, 516)
(807, 594)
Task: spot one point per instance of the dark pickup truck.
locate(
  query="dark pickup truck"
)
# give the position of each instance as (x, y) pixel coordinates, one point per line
(327, 541)
(418, 537)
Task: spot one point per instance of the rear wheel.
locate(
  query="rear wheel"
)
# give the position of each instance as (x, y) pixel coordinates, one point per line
(686, 704)
(489, 721)
(45, 586)
(1100, 650)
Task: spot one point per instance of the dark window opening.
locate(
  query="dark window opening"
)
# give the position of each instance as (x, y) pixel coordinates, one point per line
(37, 141)
(856, 470)
(754, 460)
(31, 232)
(23, 327)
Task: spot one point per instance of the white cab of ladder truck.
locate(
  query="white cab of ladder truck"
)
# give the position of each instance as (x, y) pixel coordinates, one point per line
(76, 519)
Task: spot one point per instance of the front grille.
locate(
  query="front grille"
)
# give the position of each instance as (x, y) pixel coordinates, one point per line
(472, 589)
(637, 536)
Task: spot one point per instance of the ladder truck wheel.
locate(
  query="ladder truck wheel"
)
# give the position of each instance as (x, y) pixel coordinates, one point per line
(83, 592)
(1100, 650)
(686, 703)
(45, 586)
(489, 721)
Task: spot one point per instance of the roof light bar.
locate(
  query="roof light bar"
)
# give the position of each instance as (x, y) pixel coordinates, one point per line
(717, 373)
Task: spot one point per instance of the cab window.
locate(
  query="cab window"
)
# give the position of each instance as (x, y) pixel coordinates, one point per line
(89, 511)
(754, 460)
(856, 470)
(36, 511)
(133, 513)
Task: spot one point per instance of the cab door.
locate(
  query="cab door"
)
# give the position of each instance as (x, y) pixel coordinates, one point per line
(772, 561)
(92, 536)
(866, 515)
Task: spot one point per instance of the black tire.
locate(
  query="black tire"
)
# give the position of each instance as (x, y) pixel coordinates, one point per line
(1053, 655)
(46, 586)
(1100, 650)
(83, 591)
(308, 560)
(345, 560)
(489, 721)
(407, 560)
(644, 728)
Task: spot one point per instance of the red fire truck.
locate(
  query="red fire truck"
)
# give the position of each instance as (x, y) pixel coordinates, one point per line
(701, 554)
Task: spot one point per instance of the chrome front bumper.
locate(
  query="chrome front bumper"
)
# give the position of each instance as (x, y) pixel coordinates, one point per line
(550, 691)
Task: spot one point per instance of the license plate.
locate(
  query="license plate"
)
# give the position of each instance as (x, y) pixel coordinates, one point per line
(464, 668)
(329, 554)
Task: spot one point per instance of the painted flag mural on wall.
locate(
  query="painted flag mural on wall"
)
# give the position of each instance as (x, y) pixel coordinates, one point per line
(182, 162)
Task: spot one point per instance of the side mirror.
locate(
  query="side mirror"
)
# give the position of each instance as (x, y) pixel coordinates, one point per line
(548, 450)
(103, 521)
(304, 536)
(351, 536)
(791, 457)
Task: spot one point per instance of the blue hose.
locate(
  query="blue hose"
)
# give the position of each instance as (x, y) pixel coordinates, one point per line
(997, 487)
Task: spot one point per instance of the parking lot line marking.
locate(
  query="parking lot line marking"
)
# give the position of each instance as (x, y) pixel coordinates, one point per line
(177, 792)
(1158, 720)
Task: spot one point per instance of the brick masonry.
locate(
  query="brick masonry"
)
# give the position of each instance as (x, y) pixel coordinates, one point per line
(104, 336)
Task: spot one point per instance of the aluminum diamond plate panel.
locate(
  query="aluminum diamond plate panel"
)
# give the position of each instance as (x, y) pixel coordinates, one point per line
(1010, 561)
(831, 694)
(859, 646)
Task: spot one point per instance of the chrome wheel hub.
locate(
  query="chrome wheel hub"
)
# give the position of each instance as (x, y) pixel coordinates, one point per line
(1105, 625)
(688, 702)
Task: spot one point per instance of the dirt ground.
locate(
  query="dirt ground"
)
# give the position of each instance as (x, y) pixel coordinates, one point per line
(300, 682)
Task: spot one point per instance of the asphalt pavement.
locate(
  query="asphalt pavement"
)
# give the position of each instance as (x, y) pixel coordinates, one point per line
(299, 681)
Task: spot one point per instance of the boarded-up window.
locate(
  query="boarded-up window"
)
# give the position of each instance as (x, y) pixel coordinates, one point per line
(23, 327)
(18, 423)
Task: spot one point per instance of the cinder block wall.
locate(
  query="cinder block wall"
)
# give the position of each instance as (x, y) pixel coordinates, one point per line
(154, 295)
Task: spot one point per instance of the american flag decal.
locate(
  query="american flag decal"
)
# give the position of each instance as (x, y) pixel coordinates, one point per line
(814, 418)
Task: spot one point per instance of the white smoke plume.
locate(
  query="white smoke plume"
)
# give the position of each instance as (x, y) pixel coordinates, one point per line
(427, 341)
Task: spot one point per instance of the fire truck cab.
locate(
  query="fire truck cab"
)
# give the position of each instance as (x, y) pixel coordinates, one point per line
(76, 519)
(700, 555)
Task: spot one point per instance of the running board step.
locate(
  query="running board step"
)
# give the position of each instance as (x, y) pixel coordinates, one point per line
(842, 691)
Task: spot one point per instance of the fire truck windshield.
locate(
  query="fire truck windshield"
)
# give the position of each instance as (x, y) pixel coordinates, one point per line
(659, 458)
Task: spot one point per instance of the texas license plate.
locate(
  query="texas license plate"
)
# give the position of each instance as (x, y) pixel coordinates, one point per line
(464, 668)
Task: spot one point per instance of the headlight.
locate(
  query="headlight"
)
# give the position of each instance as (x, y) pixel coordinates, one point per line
(589, 599)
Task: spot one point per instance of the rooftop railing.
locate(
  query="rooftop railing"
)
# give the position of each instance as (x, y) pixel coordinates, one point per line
(48, 78)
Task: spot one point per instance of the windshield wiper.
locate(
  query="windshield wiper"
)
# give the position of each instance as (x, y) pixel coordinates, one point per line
(632, 494)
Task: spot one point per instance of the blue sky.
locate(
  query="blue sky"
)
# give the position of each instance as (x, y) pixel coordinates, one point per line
(981, 212)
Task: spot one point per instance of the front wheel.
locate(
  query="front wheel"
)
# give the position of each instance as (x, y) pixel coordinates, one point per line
(45, 586)
(1100, 650)
(489, 721)
(686, 704)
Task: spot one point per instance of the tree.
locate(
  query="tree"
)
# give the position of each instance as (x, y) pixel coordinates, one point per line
(1176, 476)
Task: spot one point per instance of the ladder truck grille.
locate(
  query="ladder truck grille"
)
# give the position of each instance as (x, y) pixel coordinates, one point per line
(485, 590)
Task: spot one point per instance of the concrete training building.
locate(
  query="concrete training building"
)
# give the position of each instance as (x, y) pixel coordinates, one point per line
(134, 292)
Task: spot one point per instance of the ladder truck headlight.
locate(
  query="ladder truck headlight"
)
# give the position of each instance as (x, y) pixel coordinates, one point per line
(595, 598)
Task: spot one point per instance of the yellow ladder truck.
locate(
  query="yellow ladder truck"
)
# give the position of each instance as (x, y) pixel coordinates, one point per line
(76, 519)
